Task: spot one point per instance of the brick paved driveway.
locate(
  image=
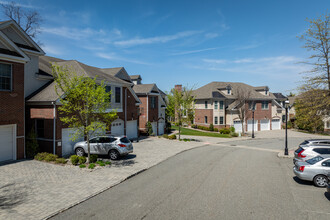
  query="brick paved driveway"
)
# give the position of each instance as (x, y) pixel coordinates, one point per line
(35, 190)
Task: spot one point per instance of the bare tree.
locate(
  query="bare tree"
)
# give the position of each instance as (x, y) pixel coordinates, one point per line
(242, 99)
(28, 20)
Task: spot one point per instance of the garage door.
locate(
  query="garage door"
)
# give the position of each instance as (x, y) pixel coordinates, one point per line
(161, 126)
(264, 125)
(249, 128)
(238, 126)
(276, 124)
(154, 127)
(67, 143)
(132, 129)
(117, 127)
(7, 148)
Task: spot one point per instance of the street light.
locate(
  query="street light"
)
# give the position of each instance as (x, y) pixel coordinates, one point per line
(253, 122)
(286, 105)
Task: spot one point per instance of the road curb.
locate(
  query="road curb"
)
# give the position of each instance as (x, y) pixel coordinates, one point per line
(281, 155)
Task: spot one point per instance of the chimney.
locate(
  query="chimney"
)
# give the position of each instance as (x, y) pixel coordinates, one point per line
(178, 88)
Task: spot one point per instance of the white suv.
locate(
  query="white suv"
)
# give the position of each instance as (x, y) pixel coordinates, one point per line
(304, 153)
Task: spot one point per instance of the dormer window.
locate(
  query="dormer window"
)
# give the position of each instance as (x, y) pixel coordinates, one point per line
(266, 92)
(228, 91)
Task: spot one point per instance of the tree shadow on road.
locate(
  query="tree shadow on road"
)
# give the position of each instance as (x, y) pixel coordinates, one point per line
(123, 161)
(10, 196)
(302, 182)
(327, 195)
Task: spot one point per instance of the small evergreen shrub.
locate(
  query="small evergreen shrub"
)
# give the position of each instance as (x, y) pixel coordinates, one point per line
(232, 129)
(216, 130)
(149, 128)
(194, 126)
(74, 159)
(102, 164)
(61, 160)
(211, 127)
(172, 137)
(234, 134)
(82, 160)
(50, 157)
(40, 156)
(224, 131)
(108, 163)
(82, 166)
(91, 166)
(93, 158)
(165, 135)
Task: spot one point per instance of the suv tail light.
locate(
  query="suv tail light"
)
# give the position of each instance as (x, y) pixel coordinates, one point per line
(121, 145)
(301, 169)
(300, 154)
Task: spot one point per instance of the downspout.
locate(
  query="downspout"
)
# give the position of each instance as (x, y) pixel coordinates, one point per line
(125, 112)
(54, 129)
(147, 107)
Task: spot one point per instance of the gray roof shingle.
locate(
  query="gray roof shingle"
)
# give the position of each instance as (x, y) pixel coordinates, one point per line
(143, 88)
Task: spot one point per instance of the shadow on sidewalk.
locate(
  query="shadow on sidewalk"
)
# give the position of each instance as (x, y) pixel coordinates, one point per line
(11, 196)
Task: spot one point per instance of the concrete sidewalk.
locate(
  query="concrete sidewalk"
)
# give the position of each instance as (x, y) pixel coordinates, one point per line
(36, 190)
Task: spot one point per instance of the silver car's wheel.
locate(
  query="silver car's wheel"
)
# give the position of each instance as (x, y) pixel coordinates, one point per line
(113, 154)
(320, 181)
(80, 152)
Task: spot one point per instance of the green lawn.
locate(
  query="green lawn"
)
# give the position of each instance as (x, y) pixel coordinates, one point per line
(188, 131)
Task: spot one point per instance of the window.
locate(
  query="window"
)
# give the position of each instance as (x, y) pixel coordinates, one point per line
(108, 89)
(215, 104)
(252, 105)
(153, 102)
(326, 163)
(117, 94)
(328, 124)
(205, 119)
(221, 120)
(5, 77)
(215, 120)
(94, 140)
(266, 92)
(40, 128)
(228, 91)
(264, 105)
(221, 104)
(205, 104)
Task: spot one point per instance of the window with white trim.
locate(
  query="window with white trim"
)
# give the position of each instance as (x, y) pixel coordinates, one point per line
(117, 94)
(205, 104)
(216, 120)
(215, 104)
(264, 105)
(221, 120)
(221, 104)
(5, 77)
(205, 119)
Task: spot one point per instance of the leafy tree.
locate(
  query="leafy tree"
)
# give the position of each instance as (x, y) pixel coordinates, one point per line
(84, 103)
(149, 128)
(183, 102)
(170, 107)
(28, 20)
(242, 99)
(32, 145)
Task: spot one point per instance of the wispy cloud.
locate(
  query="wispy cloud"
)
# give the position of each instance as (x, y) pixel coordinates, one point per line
(49, 49)
(18, 4)
(158, 39)
(195, 51)
(249, 46)
(115, 57)
(211, 35)
(74, 33)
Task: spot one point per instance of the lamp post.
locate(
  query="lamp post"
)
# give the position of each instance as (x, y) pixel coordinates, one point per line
(286, 105)
(253, 122)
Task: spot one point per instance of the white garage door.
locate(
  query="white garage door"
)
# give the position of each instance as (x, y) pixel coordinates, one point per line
(249, 128)
(154, 127)
(132, 129)
(238, 126)
(161, 126)
(117, 127)
(67, 143)
(276, 124)
(7, 148)
(264, 125)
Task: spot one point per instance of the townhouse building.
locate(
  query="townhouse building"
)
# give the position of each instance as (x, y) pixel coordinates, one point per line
(216, 103)
(152, 106)
(19, 56)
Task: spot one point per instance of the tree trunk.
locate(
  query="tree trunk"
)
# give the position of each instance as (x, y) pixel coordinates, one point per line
(179, 131)
(88, 148)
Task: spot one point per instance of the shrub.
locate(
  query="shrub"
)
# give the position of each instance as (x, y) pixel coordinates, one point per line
(74, 159)
(165, 135)
(40, 156)
(224, 131)
(31, 145)
(50, 157)
(108, 163)
(91, 166)
(102, 164)
(172, 137)
(82, 166)
(234, 134)
(61, 160)
(93, 158)
(194, 126)
(232, 129)
(82, 160)
(211, 127)
(99, 162)
(149, 128)
(216, 130)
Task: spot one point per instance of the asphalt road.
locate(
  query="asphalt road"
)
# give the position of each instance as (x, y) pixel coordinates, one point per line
(211, 182)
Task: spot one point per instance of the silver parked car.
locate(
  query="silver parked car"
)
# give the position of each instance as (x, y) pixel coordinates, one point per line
(315, 169)
(310, 142)
(114, 146)
(304, 153)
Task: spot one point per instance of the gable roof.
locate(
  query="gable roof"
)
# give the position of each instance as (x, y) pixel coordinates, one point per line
(135, 77)
(213, 90)
(145, 88)
(118, 72)
(279, 95)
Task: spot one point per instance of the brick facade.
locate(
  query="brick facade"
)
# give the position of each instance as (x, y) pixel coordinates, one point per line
(200, 116)
(260, 114)
(152, 113)
(12, 105)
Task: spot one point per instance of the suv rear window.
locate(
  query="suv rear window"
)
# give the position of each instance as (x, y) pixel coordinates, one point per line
(299, 150)
(314, 160)
(124, 140)
(322, 150)
(305, 142)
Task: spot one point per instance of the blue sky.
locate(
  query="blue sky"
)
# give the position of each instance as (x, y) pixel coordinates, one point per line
(184, 42)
